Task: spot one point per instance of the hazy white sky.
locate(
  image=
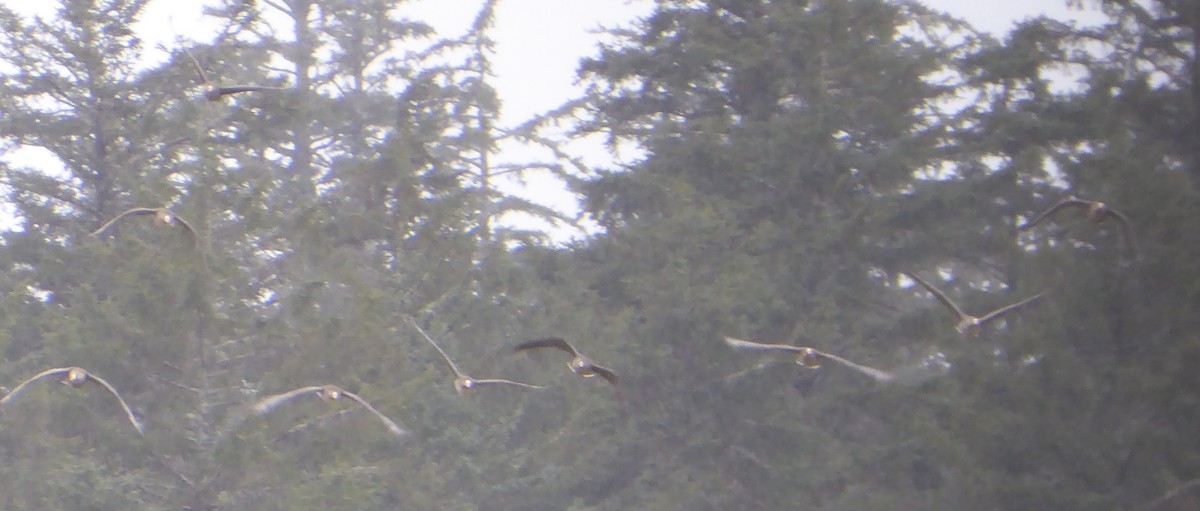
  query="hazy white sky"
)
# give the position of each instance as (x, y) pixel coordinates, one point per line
(539, 43)
(545, 38)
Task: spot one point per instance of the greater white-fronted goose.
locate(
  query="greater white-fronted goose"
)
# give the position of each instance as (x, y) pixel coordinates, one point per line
(578, 364)
(463, 382)
(810, 357)
(329, 394)
(214, 92)
(968, 324)
(1096, 211)
(76, 377)
(161, 215)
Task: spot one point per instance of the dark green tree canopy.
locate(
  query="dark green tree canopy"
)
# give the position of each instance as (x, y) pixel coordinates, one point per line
(777, 168)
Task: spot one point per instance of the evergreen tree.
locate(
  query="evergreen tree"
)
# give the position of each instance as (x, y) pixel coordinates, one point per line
(780, 140)
(793, 158)
(75, 98)
(1110, 382)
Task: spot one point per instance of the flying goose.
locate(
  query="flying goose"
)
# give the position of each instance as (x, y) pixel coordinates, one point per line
(1096, 211)
(76, 377)
(811, 357)
(579, 364)
(968, 324)
(329, 394)
(161, 215)
(463, 382)
(214, 92)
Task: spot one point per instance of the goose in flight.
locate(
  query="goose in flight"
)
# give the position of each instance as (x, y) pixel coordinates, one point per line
(76, 377)
(1096, 211)
(329, 394)
(161, 215)
(811, 357)
(968, 324)
(579, 364)
(463, 382)
(214, 92)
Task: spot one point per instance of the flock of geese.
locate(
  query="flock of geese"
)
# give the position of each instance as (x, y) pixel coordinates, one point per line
(579, 364)
(966, 324)
(463, 383)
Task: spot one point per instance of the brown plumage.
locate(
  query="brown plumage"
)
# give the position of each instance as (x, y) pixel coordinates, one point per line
(811, 357)
(968, 324)
(1096, 211)
(463, 382)
(329, 394)
(579, 364)
(214, 92)
(76, 377)
(161, 215)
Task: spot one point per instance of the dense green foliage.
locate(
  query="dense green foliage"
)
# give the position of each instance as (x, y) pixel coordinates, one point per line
(793, 158)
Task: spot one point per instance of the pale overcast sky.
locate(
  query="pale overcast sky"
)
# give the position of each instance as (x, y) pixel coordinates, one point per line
(539, 43)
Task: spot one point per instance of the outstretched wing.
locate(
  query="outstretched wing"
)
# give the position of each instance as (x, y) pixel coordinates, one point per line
(740, 344)
(391, 425)
(125, 406)
(875, 374)
(1001, 311)
(937, 293)
(1126, 231)
(445, 357)
(199, 70)
(1065, 203)
(235, 89)
(548, 342)
(49, 372)
(186, 226)
(500, 381)
(606, 373)
(134, 211)
(269, 403)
